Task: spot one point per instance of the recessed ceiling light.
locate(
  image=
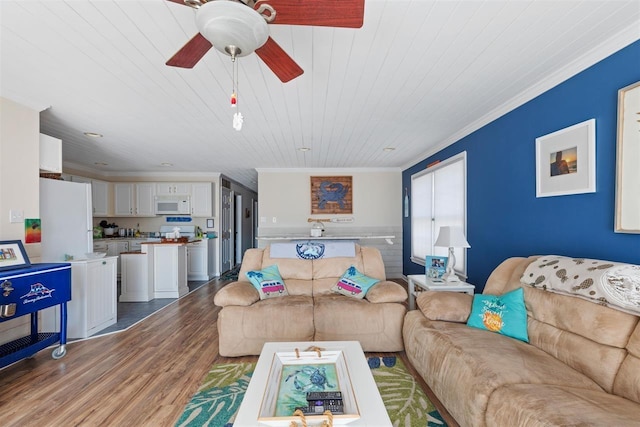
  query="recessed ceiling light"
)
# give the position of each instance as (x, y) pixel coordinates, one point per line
(304, 149)
(101, 164)
(166, 164)
(388, 148)
(93, 134)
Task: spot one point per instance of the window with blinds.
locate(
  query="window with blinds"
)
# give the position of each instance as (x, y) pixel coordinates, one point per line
(439, 198)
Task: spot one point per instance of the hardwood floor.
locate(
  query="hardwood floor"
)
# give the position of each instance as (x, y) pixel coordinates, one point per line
(143, 376)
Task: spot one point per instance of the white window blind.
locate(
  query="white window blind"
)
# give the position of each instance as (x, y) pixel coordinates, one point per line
(438, 198)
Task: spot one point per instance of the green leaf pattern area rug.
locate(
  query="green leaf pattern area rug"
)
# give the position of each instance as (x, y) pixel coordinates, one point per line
(218, 399)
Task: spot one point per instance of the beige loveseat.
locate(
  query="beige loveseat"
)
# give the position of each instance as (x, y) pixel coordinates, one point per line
(580, 368)
(311, 311)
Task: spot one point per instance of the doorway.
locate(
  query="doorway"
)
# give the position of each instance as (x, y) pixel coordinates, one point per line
(226, 231)
(238, 229)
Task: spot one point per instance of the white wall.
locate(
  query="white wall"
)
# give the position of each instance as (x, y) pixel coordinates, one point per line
(285, 194)
(19, 186)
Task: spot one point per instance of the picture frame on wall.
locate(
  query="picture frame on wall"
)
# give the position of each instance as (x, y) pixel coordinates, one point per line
(331, 195)
(13, 255)
(566, 161)
(627, 155)
(435, 266)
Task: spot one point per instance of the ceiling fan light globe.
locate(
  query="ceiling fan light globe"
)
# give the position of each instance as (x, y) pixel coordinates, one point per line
(228, 23)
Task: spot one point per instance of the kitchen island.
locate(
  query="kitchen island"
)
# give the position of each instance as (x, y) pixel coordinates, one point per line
(167, 268)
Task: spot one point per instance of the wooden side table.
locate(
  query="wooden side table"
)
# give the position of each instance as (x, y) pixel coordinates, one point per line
(422, 282)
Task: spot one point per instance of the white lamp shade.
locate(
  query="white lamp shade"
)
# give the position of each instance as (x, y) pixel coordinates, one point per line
(228, 23)
(451, 237)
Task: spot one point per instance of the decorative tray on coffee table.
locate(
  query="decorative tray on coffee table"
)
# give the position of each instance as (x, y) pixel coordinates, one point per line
(293, 374)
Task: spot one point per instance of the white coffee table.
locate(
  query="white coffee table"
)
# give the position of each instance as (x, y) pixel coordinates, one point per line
(425, 283)
(371, 407)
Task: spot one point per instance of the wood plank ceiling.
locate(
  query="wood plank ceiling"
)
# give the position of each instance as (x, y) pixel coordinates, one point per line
(416, 77)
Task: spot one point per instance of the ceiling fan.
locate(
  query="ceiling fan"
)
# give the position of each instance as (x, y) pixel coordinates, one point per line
(239, 27)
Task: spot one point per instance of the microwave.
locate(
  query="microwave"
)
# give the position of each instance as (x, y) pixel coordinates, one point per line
(172, 205)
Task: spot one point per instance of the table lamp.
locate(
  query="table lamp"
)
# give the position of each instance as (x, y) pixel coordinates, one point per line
(451, 237)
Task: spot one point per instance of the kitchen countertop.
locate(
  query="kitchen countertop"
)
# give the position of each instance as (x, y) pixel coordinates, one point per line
(109, 239)
(330, 237)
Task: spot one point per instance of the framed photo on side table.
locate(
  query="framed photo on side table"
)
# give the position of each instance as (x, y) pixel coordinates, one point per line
(566, 161)
(13, 255)
(435, 266)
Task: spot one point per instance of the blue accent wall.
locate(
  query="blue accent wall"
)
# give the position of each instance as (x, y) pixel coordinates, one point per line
(504, 217)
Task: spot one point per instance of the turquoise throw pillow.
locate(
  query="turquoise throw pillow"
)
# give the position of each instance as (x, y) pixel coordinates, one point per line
(504, 314)
(268, 282)
(354, 284)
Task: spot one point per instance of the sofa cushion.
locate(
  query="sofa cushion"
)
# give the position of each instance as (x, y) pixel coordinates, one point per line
(251, 260)
(504, 314)
(506, 276)
(529, 405)
(378, 327)
(236, 293)
(386, 291)
(268, 282)
(449, 306)
(627, 382)
(289, 268)
(354, 284)
(244, 330)
(579, 333)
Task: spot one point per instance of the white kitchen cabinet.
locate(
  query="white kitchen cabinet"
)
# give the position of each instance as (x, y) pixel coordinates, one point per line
(115, 248)
(167, 269)
(201, 199)
(136, 286)
(201, 260)
(123, 198)
(135, 245)
(99, 246)
(50, 154)
(100, 197)
(145, 197)
(134, 199)
(197, 268)
(93, 304)
(171, 188)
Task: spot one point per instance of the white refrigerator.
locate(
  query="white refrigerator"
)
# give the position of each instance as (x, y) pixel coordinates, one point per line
(66, 215)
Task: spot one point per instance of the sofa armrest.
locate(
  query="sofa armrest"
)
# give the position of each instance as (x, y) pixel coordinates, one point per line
(386, 291)
(448, 306)
(236, 293)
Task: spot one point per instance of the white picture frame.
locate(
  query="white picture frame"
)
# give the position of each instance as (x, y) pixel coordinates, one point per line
(566, 161)
(627, 160)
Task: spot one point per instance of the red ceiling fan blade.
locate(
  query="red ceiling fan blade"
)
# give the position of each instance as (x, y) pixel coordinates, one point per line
(322, 13)
(279, 61)
(190, 53)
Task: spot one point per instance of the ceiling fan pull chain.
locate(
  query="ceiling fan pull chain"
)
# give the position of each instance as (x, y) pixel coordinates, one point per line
(237, 117)
(234, 95)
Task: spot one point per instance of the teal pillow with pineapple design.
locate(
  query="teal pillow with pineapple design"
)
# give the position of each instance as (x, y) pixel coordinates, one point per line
(505, 314)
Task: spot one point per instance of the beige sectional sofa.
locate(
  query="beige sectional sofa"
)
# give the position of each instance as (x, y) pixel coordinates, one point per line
(581, 366)
(311, 311)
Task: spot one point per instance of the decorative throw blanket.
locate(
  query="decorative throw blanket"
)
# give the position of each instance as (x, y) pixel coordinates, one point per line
(612, 284)
(313, 250)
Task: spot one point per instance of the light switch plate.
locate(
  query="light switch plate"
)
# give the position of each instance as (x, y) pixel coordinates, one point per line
(16, 215)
